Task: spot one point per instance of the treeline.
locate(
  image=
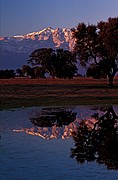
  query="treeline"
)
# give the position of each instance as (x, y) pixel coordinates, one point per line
(32, 72)
(96, 49)
(25, 71)
(7, 74)
(47, 62)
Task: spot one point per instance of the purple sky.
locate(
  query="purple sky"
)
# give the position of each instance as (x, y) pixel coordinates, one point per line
(24, 16)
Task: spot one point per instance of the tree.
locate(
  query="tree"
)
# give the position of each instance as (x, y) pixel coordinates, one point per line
(63, 64)
(12, 73)
(26, 70)
(19, 72)
(95, 72)
(38, 72)
(108, 41)
(7, 74)
(98, 45)
(58, 63)
(40, 57)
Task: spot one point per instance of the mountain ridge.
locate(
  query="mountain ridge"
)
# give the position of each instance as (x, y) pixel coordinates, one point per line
(15, 50)
(48, 37)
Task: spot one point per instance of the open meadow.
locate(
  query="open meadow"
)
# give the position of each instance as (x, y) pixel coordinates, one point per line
(24, 92)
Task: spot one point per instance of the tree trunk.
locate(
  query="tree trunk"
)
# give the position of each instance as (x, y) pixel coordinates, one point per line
(110, 81)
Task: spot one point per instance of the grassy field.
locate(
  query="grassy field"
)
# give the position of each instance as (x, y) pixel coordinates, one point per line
(24, 92)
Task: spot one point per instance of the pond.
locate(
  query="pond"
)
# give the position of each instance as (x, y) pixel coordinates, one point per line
(59, 143)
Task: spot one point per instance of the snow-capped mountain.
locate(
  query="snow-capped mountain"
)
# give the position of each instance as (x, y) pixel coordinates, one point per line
(54, 38)
(16, 49)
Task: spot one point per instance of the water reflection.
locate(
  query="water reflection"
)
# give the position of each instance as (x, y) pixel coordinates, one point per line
(52, 123)
(49, 117)
(24, 156)
(95, 136)
(98, 140)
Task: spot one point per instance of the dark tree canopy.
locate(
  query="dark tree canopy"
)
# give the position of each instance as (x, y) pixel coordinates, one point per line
(7, 74)
(98, 45)
(58, 63)
(86, 46)
(41, 57)
(26, 70)
(49, 117)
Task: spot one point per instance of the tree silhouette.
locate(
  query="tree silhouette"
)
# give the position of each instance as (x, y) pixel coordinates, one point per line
(108, 41)
(19, 72)
(99, 143)
(7, 74)
(58, 63)
(26, 70)
(38, 72)
(53, 116)
(98, 46)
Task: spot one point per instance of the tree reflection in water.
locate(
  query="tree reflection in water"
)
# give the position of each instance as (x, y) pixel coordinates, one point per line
(98, 143)
(49, 117)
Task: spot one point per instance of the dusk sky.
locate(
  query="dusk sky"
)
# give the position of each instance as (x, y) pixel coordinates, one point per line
(25, 16)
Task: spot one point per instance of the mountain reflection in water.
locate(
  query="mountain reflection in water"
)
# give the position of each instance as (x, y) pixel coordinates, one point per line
(95, 137)
(52, 123)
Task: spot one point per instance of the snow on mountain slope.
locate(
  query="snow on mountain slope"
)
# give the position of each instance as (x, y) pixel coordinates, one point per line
(48, 38)
(15, 50)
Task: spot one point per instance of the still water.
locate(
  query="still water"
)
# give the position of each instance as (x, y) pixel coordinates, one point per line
(38, 143)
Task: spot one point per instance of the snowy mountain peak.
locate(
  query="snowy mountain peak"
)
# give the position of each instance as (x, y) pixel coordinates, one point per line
(19, 47)
(48, 37)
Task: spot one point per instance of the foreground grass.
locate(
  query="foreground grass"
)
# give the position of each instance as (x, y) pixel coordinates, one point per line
(55, 92)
